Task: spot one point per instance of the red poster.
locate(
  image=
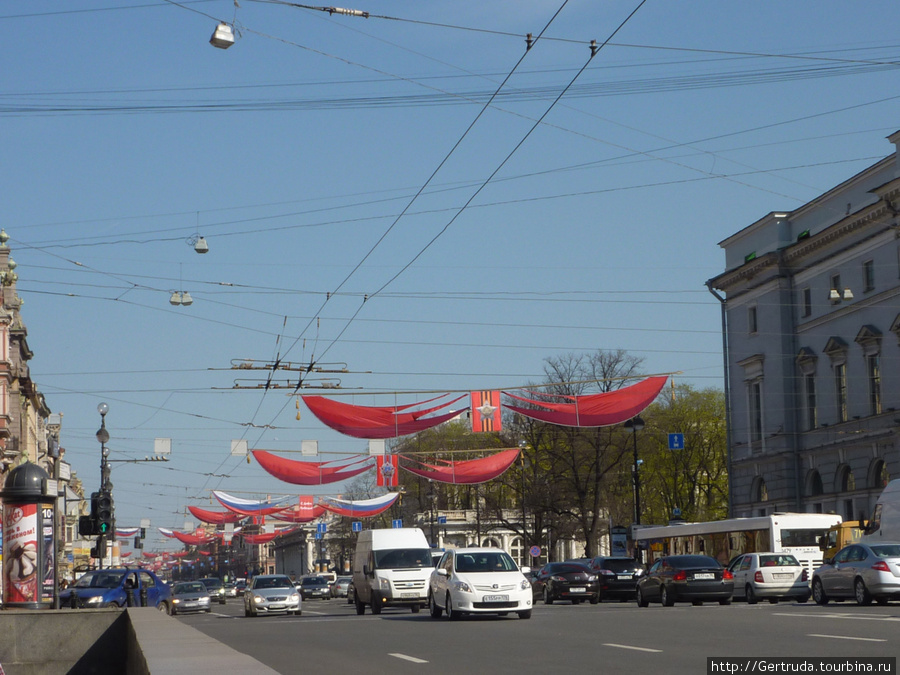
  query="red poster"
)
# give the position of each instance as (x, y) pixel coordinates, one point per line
(486, 411)
(387, 470)
(20, 552)
(306, 506)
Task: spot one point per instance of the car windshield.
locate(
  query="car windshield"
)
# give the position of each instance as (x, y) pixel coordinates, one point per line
(190, 587)
(778, 561)
(314, 581)
(272, 582)
(403, 558)
(211, 583)
(887, 550)
(685, 562)
(100, 580)
(490, 561)
(568, 568)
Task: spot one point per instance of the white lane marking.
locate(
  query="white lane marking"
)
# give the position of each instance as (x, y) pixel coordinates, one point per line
(637, 649)
(855, 617)
(846, 637)
(408, 658)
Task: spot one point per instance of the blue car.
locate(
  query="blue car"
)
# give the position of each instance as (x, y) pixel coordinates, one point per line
(112, 587)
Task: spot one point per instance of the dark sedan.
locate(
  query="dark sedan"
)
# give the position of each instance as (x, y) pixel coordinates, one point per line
(566, 581)
(618, 576)
(686, 578)
(315, 587)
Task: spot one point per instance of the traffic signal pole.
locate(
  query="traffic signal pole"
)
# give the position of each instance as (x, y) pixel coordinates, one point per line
(103, 516)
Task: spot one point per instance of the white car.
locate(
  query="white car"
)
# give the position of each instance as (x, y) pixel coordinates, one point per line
(479, 581)
(769, 576)
(272, 594)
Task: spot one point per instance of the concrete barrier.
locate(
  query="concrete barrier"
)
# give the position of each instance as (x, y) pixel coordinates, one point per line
(136, 641)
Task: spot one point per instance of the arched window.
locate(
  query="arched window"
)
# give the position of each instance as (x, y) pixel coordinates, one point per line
(845, 482)
(490, 542)
(814, 486)
(759, 492)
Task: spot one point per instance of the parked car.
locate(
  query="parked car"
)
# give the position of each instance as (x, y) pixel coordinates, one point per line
(769, 576)
(865, 572)
(314, 587)
(617, 576)
(566, 581)
(339, 587)
(190, 596)
(216, 589)
(692, 578)
(479, 581)
(272, 594)
(111, 588)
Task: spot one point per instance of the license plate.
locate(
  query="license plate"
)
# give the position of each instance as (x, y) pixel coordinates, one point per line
(624, 576)
(409, 595)
(783, 576)
(496, 598)
(276, 606)
(705, 575)
(577, 590)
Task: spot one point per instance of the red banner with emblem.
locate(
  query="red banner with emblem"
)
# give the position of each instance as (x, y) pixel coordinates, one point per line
(486, 411)
(387, 466)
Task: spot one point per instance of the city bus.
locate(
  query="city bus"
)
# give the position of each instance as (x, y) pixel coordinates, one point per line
(794, 533)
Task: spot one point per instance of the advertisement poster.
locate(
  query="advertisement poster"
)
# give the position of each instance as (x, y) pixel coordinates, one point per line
(20, 552)
(49, 558)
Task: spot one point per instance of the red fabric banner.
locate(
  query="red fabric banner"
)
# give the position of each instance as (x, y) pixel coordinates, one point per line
(387, 470)
(486, 411)
(469, 471)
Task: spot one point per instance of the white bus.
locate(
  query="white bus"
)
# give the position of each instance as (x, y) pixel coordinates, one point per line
(794, 533)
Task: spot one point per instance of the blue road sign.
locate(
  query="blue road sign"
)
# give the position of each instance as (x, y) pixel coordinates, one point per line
(321, 528)
(397, 522)
(676, 441)
(356, 526)
(318, 535)
(442, 520)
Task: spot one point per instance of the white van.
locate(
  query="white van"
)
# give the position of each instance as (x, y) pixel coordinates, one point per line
(885, 522)
(391, 568)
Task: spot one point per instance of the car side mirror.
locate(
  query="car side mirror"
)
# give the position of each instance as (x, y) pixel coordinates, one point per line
(823, 542)
(441, 572)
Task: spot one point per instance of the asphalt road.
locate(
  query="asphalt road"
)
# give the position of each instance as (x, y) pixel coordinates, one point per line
(561, 638)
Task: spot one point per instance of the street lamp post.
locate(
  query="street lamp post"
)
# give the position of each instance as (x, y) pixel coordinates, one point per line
(105, 484)
(634, 425)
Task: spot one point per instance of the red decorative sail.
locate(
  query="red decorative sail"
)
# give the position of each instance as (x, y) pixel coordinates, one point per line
(215, 517)
(295, 515)
(469, 471)
(309, 473)
(263, 538)
(594, 410)
(378, 422)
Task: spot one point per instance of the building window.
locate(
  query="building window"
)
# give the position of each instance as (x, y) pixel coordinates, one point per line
(755, 396)
(873, 374)
(809, 385)
(751, 320)
(807, 301)
(840, 390)
(869, 275)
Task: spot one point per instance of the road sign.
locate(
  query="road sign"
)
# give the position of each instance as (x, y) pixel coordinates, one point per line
(356, 526)
(535, 551)
(318, 535)
(321, 528)
(676, 441)
(442, 520)
(397, 522)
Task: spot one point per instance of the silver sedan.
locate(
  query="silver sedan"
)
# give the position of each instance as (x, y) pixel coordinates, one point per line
(271, 594)
(861, 571)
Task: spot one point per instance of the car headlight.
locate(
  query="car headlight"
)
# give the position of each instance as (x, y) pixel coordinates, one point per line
(295, 597)
(525, 584)
(175, 601)
(258, 599)
(592, 577)
(96, 600)
(462, 586)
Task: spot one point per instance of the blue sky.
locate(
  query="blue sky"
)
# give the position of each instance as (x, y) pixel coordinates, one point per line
(296, 151)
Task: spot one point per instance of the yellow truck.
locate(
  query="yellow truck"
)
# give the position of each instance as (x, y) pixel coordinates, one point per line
(838, 536)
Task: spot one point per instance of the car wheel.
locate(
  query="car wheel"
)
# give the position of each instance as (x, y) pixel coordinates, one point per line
(750, 595)
(863, 597)
(246, 612)
(433, 607)
(696, 603)
(595, 599)
(818, 593)
(773, 601)
(665, 597)
(111, 604)
(548, 599)
(164, 608)
(175, 611)
(576, 601)
(415, 609)
(452, 614)
(299, 612)
(725, 601)
(881, 601)
(376, 603)
(524, 614)
(641, 600)
(207, 611)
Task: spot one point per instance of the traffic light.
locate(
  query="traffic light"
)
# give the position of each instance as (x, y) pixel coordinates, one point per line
(99, 551)
(106, 523)
(86, 526)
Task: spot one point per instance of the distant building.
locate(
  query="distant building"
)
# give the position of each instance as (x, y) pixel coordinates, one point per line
(812, 309)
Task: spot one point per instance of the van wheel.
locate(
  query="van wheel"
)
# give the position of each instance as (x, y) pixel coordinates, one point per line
(433, 607)
(376, 603)
(360, 606)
